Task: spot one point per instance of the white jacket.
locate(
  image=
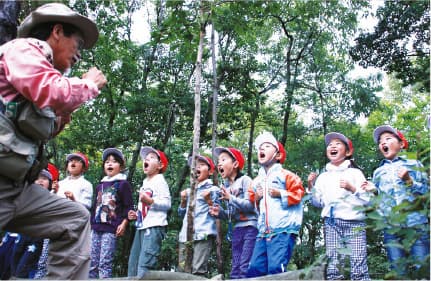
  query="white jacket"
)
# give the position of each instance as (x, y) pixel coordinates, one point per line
(327, 192)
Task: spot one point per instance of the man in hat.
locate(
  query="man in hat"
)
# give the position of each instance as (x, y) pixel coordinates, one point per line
(31, 70)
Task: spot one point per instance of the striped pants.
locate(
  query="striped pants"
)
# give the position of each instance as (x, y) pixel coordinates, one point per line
(344, 237)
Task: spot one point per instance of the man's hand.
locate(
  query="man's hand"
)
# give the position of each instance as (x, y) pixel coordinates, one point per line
(96, 76)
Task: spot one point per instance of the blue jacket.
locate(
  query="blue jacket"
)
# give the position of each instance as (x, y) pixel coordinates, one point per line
(204, 223)
(282, 214)
(241, 207)
(394, 190)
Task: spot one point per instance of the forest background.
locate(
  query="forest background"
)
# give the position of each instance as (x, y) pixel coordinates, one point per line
(279, 66)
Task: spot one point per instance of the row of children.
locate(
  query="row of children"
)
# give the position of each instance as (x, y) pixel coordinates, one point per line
(267, 211)
(264, 215)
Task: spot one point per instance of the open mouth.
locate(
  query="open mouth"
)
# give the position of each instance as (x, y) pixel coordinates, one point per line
(262, 155)
(73, 165)
(385, 148)
(221, 170)
(333, 152)
(198, 173)
(146, 165)
(110, 169)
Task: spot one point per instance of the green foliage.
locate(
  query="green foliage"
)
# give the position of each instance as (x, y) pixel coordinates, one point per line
(399, 43)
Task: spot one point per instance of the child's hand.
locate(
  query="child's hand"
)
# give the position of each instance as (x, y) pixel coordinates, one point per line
(403, 174)
(311, 179)
(347, 186)
(274, 192)
(69, 195)
(207, 196)
(225, 194)
(259, 193)
(145, 198)
(120, 230)
(214, 210)
(183, 195)
(368, 186)
(131, 215)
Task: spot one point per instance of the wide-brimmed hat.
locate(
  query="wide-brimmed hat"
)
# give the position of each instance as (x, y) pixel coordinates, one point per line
(233, 152)
(162, 156)
(57, 12)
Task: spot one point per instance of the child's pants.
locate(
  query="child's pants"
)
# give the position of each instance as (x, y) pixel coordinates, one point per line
(243, 240)
(201, 254)
(346, 234)
(145, 250)
(32, 210)
(271, 255)
(103, 246)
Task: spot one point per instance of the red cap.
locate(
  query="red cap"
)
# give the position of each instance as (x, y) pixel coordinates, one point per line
(53, 171)
(235, 153)
(204, 158)
(282, 152)
(350, 145)
(162, 156)
(79, 155)
(403, 140)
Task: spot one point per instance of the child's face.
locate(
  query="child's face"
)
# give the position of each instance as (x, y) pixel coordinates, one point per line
(226, 165)
(202, 171)
(152, 164)
(389, 145)
(111, 166)
(267, 153)
(43, 181)
(336, 151)
(75, 167)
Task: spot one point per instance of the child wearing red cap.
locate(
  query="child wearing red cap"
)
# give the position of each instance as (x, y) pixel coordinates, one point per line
(205, 229)
(239, 208)
(109, 213)
(399, 180)
(155, 197)
(75, 187)
(278, 194)
(338, 192)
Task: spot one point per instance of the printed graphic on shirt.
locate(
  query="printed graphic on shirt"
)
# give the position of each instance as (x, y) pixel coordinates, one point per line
(106, 204)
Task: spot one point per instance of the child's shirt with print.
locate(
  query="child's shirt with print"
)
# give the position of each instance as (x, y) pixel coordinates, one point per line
(113, 202)
(157, 213)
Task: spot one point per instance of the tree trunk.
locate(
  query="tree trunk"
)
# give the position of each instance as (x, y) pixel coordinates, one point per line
(213, 145)
(196, 136)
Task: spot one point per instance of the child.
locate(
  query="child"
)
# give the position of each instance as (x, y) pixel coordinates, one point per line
(398, 179)
(240, 207)
(75, 187)
(338, 191)
(109, 213)
(204, 224)
(43, 259)
(153, 206)
(278, 193)
(27, 250)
